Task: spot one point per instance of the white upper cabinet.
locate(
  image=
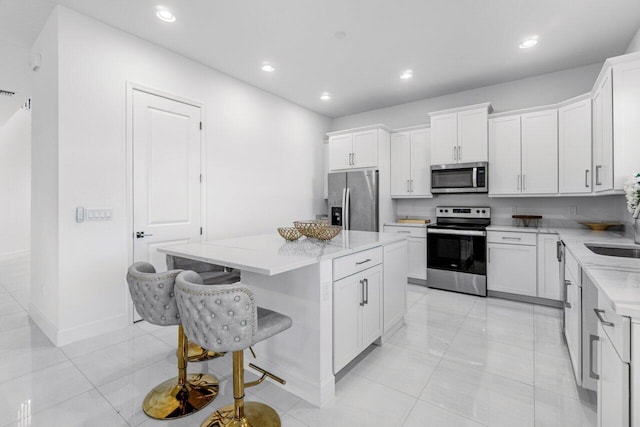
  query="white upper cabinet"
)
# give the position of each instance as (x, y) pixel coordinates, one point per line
(351, 150)
(540, 152)
(410, 170)
(574, 147)
(523, 152)
(504, 155)
(444, 130)
(626, 118)
(459, 135)
(602, 128)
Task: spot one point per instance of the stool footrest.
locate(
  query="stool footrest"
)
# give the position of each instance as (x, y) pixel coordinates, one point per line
(265, 374)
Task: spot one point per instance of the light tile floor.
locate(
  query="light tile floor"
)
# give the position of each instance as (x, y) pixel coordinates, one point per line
(459, 361)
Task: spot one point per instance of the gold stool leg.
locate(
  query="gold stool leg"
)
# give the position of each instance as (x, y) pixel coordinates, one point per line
(241, 414)
(183, 395)
(195, 353)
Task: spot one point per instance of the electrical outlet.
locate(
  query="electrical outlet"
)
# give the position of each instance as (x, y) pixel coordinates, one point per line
(573, 210)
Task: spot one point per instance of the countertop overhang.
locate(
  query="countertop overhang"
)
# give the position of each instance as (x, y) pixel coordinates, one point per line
(270, 254)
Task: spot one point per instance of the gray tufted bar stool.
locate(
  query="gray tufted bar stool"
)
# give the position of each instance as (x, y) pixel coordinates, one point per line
(211, 274)
(225, 318)
(153, 295)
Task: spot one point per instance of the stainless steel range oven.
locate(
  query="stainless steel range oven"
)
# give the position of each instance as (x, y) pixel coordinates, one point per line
(457, 248)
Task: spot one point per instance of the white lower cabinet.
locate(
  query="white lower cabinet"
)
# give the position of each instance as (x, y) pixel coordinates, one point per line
(417, 249)
(613, 385)
(511, 262)
(573, 327)
(511, 268)
(357, 314)
(549, 285)
(394, 292)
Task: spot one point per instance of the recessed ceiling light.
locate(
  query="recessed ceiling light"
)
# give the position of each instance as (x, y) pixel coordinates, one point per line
(406, 75)
(165, 15)
(325, 96)
(530, 42)
(268, 68)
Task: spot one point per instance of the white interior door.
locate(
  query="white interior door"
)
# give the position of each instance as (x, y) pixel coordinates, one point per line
(166, 175)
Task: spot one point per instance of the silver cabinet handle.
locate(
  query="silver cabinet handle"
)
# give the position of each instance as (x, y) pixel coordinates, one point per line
(559, 250)
(511, 238)
(598, 175)
(599, 313)
(353, 158)
(489, 255)
(362, 294)
(455, 153)
(366, 298)
(586, 178)
(518, 181)
(567, 304)
(567, 282)
(411, 185)
(363, 262)
(592, 373)
(459, 152)
(408, 191)
(141, 235)
(403, 232)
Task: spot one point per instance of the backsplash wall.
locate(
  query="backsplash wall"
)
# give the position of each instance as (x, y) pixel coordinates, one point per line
(555, 211)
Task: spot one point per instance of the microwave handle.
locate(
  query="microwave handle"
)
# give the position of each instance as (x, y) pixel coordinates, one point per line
(475, 177)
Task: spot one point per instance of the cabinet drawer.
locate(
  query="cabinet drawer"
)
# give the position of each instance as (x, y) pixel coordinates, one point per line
(354, 263)
(512, 238)
(409, 231)
(572, 267)
(618, 328)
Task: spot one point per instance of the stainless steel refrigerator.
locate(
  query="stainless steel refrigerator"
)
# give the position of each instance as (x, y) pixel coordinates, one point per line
(353, 200)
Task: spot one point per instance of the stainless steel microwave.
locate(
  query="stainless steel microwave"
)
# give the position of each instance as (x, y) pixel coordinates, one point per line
(460, 178)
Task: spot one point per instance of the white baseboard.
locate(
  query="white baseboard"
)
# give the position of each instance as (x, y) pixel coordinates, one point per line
(7, 256)
(43, 323)
(62, 337)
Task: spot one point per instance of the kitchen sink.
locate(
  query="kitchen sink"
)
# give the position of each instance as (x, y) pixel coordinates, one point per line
(611, 250)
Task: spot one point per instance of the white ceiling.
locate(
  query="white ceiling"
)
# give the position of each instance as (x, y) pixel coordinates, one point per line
(451, 45)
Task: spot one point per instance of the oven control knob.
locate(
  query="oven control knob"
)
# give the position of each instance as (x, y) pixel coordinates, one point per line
(478, 211)
(483, 211)
(446, 210)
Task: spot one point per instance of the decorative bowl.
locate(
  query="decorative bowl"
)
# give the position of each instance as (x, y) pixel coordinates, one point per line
(599, 225)
(309, 228)
(328, 232)
(289, 233)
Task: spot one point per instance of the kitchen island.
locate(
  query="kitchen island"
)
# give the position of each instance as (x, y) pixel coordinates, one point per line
(342, 295)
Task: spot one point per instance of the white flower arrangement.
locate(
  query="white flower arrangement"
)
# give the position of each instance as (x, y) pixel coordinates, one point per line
(632, 192)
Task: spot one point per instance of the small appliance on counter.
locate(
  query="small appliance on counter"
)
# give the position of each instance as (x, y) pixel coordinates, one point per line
(457, 249)
(413, 221)
(527, 220)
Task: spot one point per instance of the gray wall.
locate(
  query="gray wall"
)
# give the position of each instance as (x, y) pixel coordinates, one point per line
(530, 92)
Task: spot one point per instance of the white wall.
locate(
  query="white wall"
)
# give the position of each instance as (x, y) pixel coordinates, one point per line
(264, 160)
(634, 45)
(530, 92)
(15, 187)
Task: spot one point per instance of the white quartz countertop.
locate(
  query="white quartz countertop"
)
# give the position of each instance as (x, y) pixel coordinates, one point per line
(270, 254)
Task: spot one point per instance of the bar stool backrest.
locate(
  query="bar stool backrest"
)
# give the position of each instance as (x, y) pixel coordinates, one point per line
(220, 318)
(153, 294)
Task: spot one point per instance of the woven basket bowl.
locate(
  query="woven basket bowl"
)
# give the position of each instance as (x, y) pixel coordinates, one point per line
(289, 233)
(328, 232)
(309, 228)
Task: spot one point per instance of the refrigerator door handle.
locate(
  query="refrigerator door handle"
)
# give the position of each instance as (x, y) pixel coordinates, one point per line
(347, 207)
(343, 206)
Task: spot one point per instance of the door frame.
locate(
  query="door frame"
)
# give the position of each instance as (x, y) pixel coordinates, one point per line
(130, 88)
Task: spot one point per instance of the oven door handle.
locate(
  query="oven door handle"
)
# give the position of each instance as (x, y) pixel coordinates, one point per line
(456, 232)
